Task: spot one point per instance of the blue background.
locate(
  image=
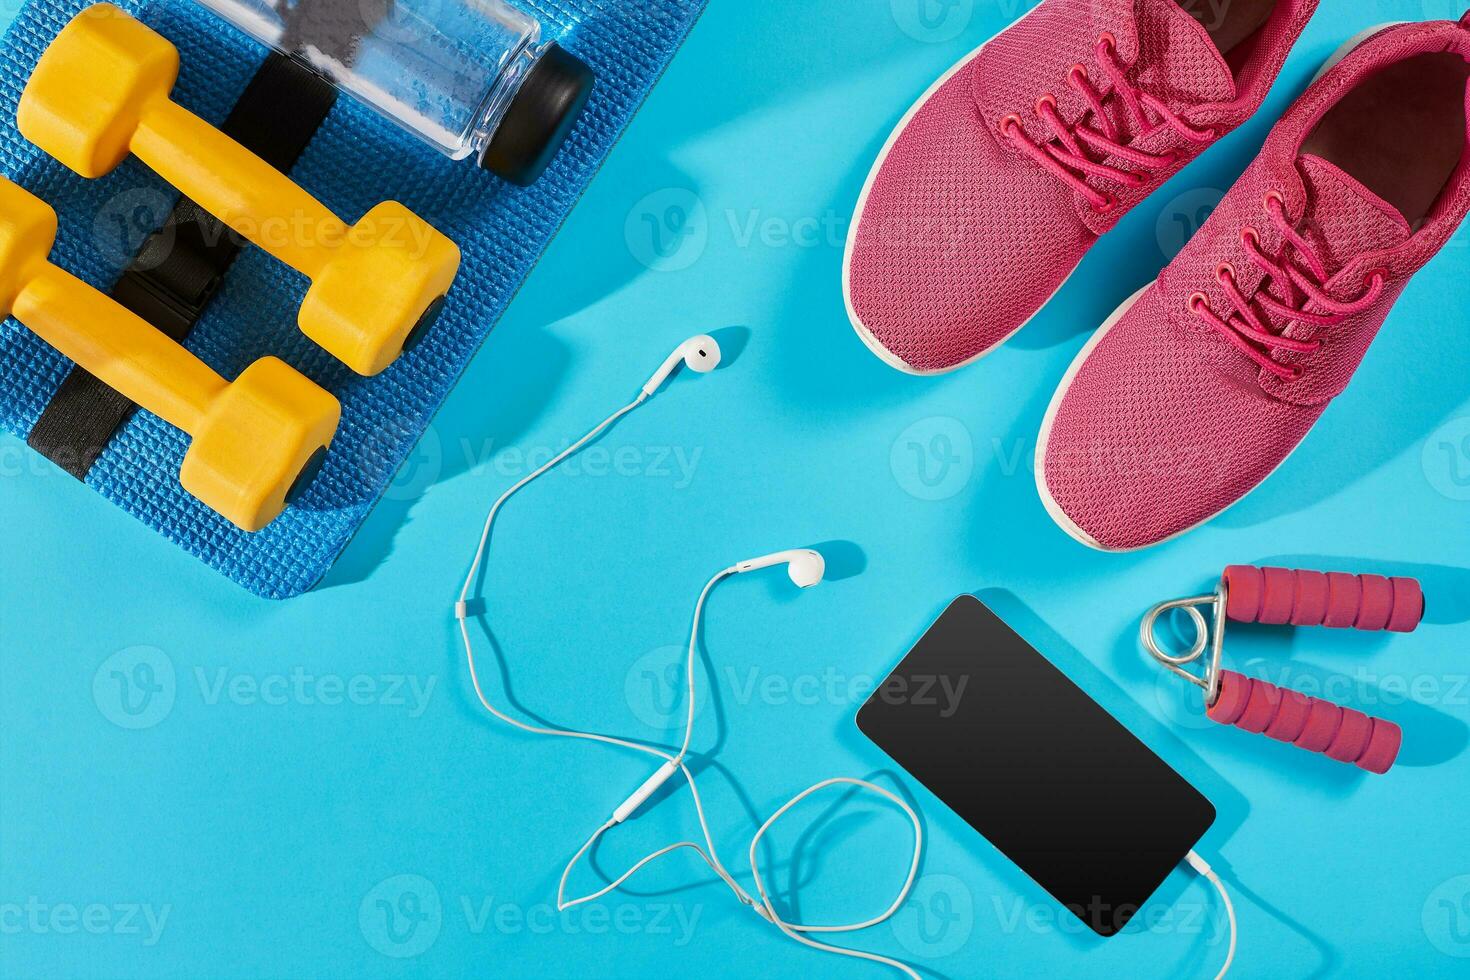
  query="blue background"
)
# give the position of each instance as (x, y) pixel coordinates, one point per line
(278, 777)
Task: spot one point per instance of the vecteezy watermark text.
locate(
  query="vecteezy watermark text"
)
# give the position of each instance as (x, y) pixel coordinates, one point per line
(129, 920)
(402, 917)
(137, 688)
(303, 688)
(655, 688)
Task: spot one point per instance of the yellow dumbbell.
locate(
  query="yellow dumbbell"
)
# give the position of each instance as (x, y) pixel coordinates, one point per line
(103, 89)
(257, 442)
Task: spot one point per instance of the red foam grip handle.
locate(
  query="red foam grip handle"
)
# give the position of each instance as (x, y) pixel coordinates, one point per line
(1336, 599)
(1310, 723)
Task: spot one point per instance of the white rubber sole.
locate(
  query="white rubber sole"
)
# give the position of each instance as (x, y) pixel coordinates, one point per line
(1042, 440)
(868, 338)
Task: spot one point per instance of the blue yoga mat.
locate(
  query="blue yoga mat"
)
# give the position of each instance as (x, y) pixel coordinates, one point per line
(356, 161)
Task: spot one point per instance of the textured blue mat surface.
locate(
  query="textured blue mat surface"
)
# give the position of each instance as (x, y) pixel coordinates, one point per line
(356, 161)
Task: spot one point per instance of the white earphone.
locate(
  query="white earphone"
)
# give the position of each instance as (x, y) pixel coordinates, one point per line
(806, 568)
(701, 354)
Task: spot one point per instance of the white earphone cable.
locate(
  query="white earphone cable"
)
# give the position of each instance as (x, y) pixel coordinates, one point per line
(604, 425)
(675, 762)
(1208, 873)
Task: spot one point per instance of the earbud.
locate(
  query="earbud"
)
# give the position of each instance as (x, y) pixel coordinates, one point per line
(699, 354)
(805, 567)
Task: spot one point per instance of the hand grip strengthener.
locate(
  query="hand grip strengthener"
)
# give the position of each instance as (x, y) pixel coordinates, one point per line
(1279, 596)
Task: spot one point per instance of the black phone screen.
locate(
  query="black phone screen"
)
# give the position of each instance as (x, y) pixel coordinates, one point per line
(1025, 757)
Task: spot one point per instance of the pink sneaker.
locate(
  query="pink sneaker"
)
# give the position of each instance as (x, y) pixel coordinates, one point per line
(999, 180)
(1205, 381)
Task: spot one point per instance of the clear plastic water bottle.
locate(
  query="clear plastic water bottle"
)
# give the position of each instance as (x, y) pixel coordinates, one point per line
(472, 77)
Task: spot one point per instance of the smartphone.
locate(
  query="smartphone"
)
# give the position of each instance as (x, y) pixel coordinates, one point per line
(1041, 770)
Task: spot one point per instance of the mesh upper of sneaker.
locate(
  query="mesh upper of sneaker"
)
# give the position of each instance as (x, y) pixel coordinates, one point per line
(1166, 423)
(962, 238)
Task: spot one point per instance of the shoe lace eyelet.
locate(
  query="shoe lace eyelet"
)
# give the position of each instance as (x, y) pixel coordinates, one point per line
(1250, 238)
(1197, 302)
(1076, 72)
(1108, 206)
(1225, 272)
(1010, 123)
(1297, 373)
(1106, 42)
(1046, 100)
(1276, 196)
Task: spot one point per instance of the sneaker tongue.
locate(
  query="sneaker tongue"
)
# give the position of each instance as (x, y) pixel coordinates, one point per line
(1344, 219)
(1178, 62)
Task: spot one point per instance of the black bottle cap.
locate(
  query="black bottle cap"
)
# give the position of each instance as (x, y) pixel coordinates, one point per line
(539, 118)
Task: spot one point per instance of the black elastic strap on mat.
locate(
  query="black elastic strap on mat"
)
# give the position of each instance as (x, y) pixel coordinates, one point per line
(179, 268)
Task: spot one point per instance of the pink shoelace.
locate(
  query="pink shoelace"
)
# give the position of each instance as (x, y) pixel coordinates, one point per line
(1065, 156)
(1250, 334)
